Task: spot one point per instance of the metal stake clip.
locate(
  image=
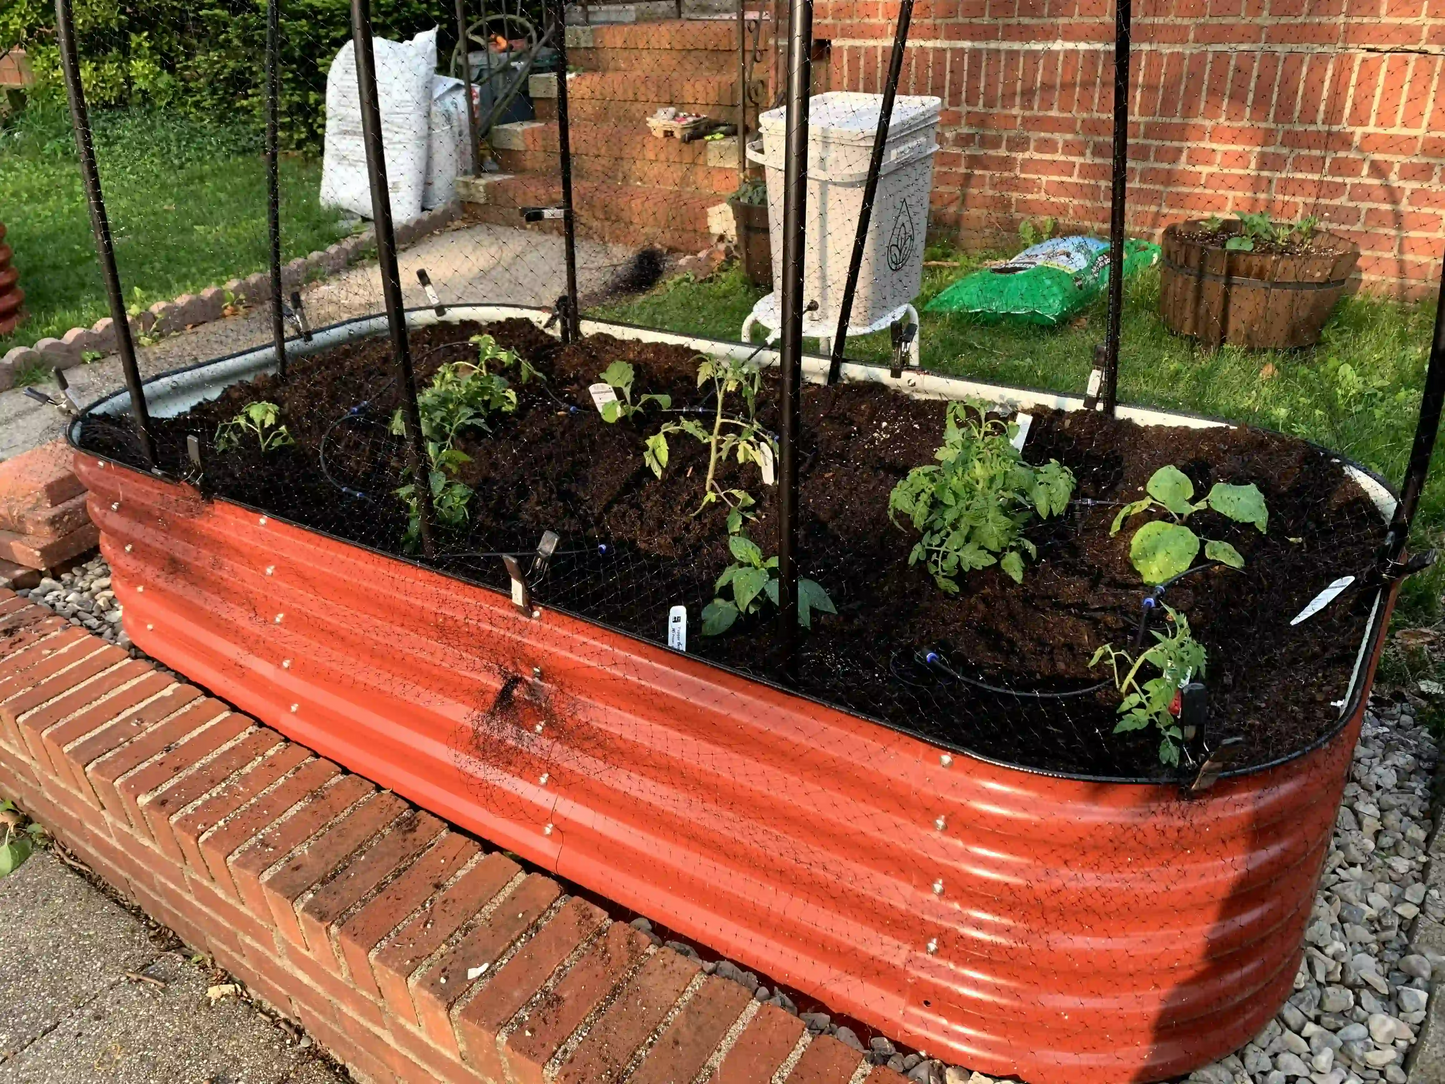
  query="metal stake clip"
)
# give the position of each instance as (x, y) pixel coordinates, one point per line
(297, 315)
(521, 593)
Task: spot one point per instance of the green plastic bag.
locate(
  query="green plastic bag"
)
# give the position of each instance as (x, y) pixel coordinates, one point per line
(1044, 284)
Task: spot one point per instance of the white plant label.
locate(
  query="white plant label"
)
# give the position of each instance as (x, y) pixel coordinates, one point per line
(677, 628)
(1095, 379)
(554, 212)
(765, 463)
(1323, 599)
(602, 394)
(1025, 423)
(519, 593)
(431, 295)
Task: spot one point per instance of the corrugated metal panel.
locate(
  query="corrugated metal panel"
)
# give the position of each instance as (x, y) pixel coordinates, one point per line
(1059, 930)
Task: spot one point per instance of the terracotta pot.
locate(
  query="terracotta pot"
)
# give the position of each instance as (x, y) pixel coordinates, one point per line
(1067, 931)
(753, 242)
(11, 295)
(1258, 300)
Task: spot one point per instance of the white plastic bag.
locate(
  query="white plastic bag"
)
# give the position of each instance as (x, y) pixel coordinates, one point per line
(448, 152)
(403, 90)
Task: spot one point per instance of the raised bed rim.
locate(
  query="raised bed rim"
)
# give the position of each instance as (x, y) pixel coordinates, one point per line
(1381, 492)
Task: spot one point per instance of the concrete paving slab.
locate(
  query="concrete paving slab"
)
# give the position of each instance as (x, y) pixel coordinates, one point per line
(65, 943)
(135, 1032)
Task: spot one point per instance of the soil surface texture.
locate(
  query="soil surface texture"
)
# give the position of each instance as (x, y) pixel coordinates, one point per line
(633, 545)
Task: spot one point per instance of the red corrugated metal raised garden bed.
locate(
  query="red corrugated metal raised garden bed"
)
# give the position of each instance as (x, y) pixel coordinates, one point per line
(1066, 930)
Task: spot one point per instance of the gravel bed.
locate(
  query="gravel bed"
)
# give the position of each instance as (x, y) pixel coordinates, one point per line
(1360, 994)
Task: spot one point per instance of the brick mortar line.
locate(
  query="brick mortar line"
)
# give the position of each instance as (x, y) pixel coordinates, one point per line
(519, 1018)
(334, 926)
(257, 797)
(79, 645)
(461, 933)
(380, 946)
(169, 747)
(729, 1040)
(305, 845)
(356, 854)
(484, 980)
(144, 799)
(781, 1074)
(233, 779)
(169, 690)
(563, 1054)
(640, 1054)
(93, 704)
(87, 683)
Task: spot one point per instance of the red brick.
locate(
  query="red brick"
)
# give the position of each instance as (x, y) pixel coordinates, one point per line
(412, 834)
(25, 669)
(317, 859)
(41, 478)
(762, 1047)
(33, 553)
(402, 953)
(353, 940)
(181, 758)
(684, 1048)
(77, 745)
(165, 802)
(437, 988)
(611, 1042)
(26, 627)
(884, 1075)
(316, 804)
(40, 525)
(105, 771)
(77, 702)
(482, 1019)
(825, 1061)
(59, 683)
(591, 979)
(189, 827)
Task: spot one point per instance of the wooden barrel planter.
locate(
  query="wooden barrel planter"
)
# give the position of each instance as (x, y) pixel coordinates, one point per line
(1065, 930)
(11, 295)
(1259, 300)
(754, 245)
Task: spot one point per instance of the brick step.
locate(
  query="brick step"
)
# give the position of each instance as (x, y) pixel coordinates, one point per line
(663, 88)
(616, 141)
(707, 35)
(662, 62)
(621, 113)
(674, 176)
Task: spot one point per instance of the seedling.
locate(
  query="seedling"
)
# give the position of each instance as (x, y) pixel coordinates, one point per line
(1179, 658)
(973, 508)
(260, 419)
(1161, 549)
(618, 376)
(732, 434)
(1260, 229)
(753, 580)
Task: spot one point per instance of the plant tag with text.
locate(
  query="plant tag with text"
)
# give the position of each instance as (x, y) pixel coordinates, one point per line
(602, 394)
(677, 628)
(1025, 423)
(1323, 599)
(765, 463)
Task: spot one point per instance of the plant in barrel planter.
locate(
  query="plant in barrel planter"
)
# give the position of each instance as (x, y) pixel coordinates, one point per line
(750, 213)
(1251, 281)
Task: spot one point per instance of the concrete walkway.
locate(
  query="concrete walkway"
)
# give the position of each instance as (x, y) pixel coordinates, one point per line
(475, 263)
(88, 991)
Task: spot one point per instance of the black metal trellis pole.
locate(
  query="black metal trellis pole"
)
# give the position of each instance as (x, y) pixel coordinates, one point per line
(1425, 431)
(273, 178)
(473, 111)
(1109, 385)
(571, 322)
(870, 187)
(386, 257)
(795, 205)
(100, 226)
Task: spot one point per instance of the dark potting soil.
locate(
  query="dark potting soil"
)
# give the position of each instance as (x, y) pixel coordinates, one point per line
(555, 465)
(1319, 242)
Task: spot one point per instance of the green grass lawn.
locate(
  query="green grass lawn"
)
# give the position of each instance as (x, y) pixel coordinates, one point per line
(186, 200)
(1357, 392)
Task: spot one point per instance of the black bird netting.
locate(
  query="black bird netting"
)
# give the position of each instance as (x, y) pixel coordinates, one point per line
(551, 363)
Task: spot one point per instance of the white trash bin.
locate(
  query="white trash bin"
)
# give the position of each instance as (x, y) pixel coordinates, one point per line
(840, 143)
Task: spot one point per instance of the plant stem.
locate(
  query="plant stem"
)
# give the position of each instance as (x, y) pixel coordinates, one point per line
(712, 444)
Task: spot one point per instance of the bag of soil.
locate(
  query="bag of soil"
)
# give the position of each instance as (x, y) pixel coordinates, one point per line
(1044, 284)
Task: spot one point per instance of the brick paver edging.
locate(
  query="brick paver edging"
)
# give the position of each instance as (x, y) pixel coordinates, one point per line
(407, 949)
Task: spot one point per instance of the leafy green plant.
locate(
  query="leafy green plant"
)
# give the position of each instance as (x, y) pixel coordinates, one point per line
(32, 374)
(619, 376)
(21, 838)
(261, 419)
(1179, 658)
(752, 191)
(754, 580)
(1261, 230)
(1163, 549)
(972, 509)
(1032, 231)
(738, 435)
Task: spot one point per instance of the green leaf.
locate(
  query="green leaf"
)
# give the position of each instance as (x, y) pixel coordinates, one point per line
(1127, 511)
(1013, 564)
(735, 521)
(611, 411)
(726, 577)
(745, 550)
(1135, 720)
(1161, 551)
(811, 596)
(1173, 489)
(1235, 244)
(718, 616)
(1243, 504)
(13, 853)
(1223, 552)
(655, 453)
(746, 586)
(1169, 753)
(619, 374)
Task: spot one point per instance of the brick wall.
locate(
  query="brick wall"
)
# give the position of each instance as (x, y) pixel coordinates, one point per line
(1298, 107)
(409, 950)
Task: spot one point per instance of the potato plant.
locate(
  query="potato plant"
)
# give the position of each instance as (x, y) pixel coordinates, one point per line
(972, 508)
(1163, 549)
(1178, 658)
(754, 580)
(259, 419)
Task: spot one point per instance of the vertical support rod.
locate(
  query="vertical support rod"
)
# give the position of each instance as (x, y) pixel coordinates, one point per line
(742, 136)
(386, 257)
(571, 320)
(795, 206)
(273, 178)
(473, 112)
(870, 187)
(100, 226)
(1109, 387)
(1425, 431)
